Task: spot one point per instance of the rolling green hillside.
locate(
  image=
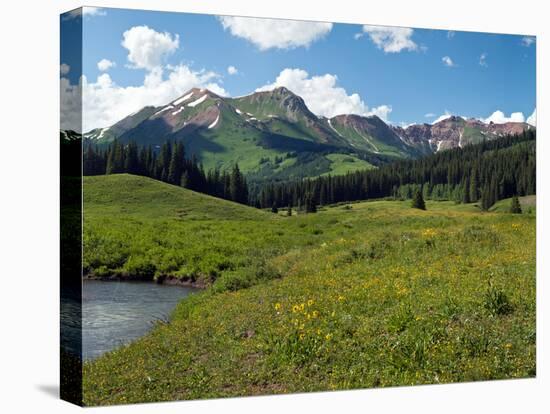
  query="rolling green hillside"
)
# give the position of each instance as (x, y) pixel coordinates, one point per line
(528, 204)
(143, 228)
(369, 294)
(147, 198)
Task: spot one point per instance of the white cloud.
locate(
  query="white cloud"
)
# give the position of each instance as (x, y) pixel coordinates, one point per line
(71, 106)
(232, 70)
(498, 117)
(405, 125)
(322, 95)
(483, 60)
(532, 120)
(429, 115)
(447, 61)
(93, 11)
(527, 41)
(148, 48)
(450, 34)
(443, 117)
(86, 11)
(64, 69)
(390, 39)
(279, 34)
(105, 64)
(105, 103)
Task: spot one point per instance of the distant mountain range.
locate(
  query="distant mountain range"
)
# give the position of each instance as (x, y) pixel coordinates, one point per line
(274, 134)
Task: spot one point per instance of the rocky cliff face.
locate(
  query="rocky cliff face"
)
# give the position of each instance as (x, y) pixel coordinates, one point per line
(456, 131)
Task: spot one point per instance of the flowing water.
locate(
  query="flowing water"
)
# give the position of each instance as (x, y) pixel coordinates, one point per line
(115, 313)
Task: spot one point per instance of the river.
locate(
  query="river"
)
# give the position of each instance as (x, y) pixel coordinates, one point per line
(115, 313)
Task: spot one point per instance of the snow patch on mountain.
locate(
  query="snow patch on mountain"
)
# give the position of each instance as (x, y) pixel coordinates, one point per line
(177, 111)
(183, 98)
(103, 130)
(164, 109)
(334, 129)
(198, 101)
(213, 124)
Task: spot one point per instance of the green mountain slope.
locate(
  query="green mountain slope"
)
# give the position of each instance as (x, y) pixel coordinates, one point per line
(222, 131)
(259, 129)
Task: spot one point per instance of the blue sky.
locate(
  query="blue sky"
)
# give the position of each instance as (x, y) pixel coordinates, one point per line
(403, 75)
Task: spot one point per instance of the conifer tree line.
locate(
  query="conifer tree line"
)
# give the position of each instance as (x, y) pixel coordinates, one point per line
(167, 163)
(484, 173)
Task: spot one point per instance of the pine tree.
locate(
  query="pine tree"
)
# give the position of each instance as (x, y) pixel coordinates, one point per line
(274, 209)
(418, 201)
(131, 161)
(466, 191)
(184, 180)
(163, 161)
(289, 211)
(486, 198)
(310, 203)
(176, 164)
(115, 160)
(237, 186)
(515, 207)
(474, 185)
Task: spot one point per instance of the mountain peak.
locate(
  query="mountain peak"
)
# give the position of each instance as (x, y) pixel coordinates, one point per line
(195, 93)
(283, 90)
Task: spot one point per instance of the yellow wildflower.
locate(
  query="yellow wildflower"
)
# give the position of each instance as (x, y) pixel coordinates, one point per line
(295, 308)
(315, 313)
(277, 306)
(310, 302)
(328, 337)
(429, 233)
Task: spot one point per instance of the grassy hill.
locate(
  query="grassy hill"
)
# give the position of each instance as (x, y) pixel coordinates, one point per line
(369, 294)
(124, 195)
(140, 227)
(528, 204)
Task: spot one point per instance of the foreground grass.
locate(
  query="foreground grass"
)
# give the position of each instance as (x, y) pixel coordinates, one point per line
(369, 295)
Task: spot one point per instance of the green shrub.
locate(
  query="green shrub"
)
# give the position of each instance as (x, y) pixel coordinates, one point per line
(496, 302)
(232, 281)
(102, 271)
(243, 278)
(139, 266)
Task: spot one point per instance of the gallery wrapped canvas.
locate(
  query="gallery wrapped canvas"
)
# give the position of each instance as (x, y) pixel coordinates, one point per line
(256, 206)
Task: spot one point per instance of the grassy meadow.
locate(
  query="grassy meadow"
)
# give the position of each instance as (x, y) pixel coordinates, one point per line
(368, 294)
